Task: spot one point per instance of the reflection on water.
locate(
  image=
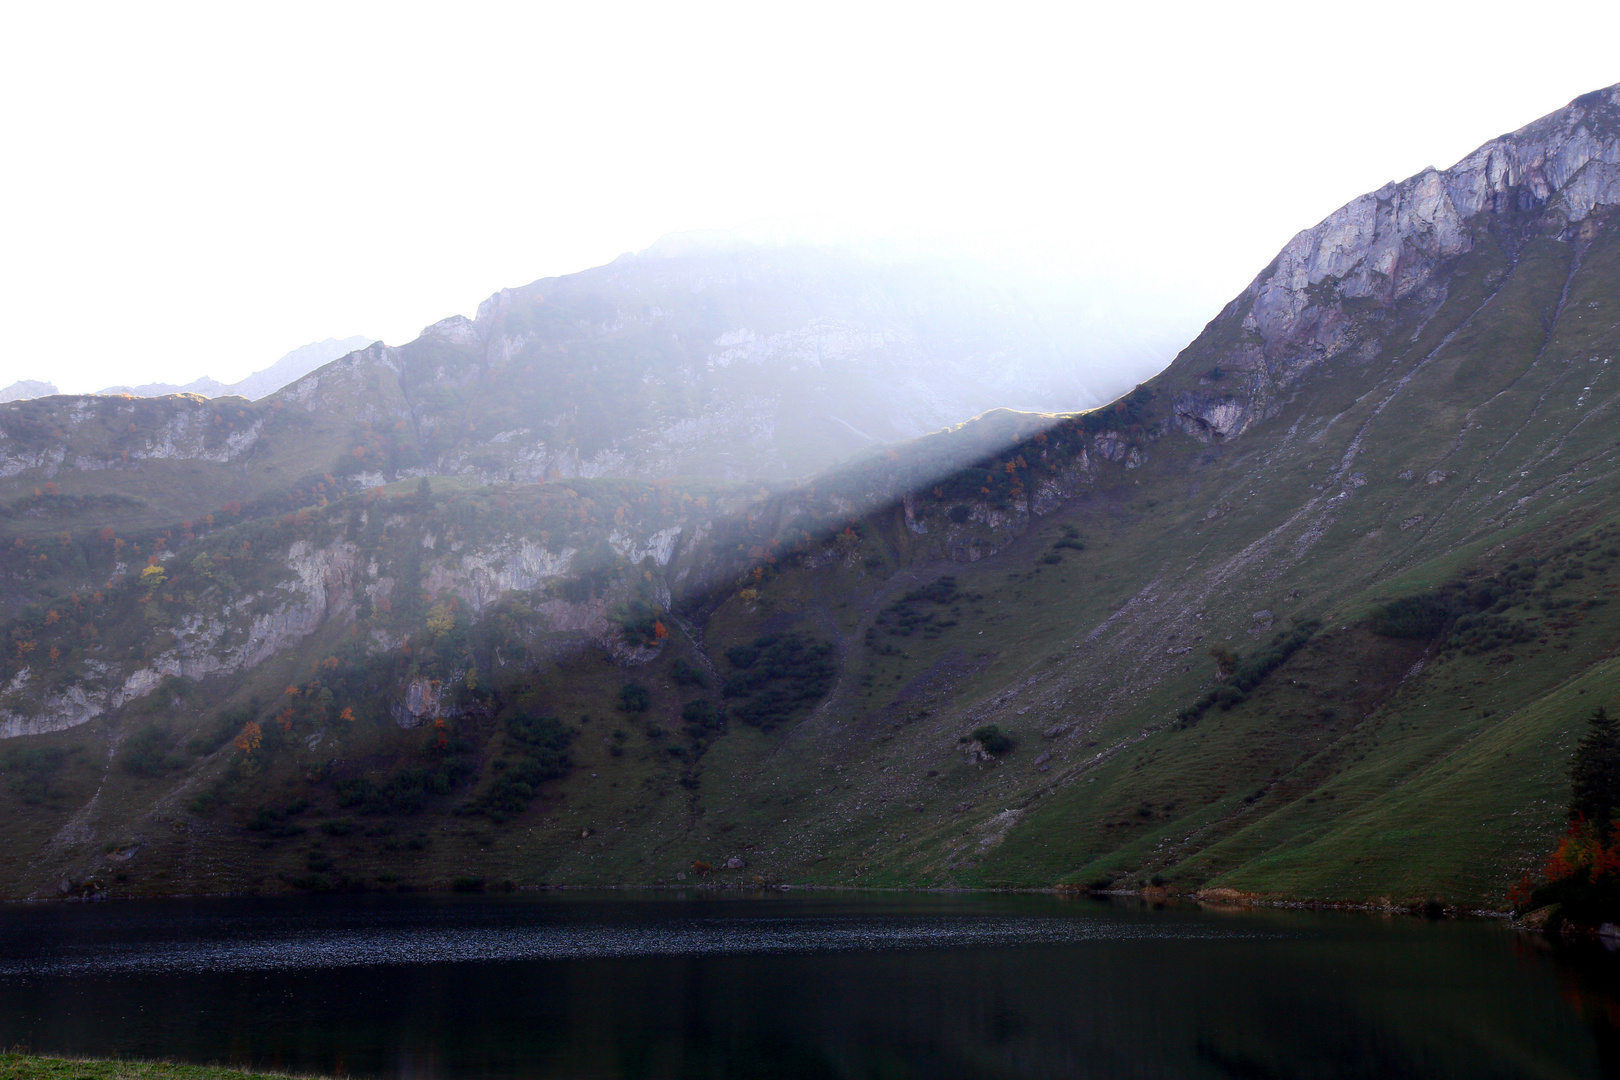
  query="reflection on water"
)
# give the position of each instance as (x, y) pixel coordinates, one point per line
(797, 985)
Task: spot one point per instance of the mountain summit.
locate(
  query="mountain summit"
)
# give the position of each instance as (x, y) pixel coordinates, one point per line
(1324, 295)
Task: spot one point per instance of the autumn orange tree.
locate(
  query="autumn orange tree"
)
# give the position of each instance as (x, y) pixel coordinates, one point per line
(250, 738)
(1582, 875)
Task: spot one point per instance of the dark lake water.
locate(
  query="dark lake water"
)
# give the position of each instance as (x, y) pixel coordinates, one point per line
(797, 985)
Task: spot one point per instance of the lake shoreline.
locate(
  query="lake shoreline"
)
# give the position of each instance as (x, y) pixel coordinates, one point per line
(1214, 899)
(19, 1066)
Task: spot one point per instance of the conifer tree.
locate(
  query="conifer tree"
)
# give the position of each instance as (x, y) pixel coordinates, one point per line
(1594, 775)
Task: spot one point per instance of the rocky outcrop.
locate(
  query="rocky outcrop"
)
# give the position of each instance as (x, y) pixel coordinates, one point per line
(1210, 418)
(323, 583)
(85, 434)
(1386, 247)
(55, 712)
(482, 576)
(235, 638)
(422, 702)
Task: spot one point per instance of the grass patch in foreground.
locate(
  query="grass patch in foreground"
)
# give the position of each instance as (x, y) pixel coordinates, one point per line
(29, 1067)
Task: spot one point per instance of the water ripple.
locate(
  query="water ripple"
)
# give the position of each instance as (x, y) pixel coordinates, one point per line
(317, 948)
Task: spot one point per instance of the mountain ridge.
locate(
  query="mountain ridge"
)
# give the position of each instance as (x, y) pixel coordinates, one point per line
(291, 367)
(1384, 246)
(288, 369)
(779, 363)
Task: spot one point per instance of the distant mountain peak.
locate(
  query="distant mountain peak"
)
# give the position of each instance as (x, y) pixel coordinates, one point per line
(289, 369)
(24, 389)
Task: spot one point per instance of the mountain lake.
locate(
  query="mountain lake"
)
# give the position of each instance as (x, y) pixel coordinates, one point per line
(798, 985)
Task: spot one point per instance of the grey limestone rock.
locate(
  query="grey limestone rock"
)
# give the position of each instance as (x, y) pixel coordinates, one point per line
(1388, 245)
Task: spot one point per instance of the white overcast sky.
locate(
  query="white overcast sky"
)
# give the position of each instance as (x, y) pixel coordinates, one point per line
(197, 189)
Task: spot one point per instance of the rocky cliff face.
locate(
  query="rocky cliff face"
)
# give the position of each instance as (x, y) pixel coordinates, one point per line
(1323, 296)
(46, 439)
(320, 585)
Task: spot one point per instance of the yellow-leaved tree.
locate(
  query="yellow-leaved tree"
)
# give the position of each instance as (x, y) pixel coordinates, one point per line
(440, 620)
(152, 577)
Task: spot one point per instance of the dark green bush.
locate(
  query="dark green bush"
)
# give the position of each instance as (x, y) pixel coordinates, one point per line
(405, 792)
(31, 771)
(638, 623)
(686, 674)
(1482, 633)
(224, 729)
(541, 743)
(1411, 617)
(634, 698)
(782, 675)
(994, 739)
(701, 716)
(941, 591)
(1249, 672)
(908, 615)
(273, 819)
(149, 752)
(588, 586)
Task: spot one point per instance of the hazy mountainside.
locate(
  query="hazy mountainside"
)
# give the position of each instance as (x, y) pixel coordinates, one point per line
(295, 365)
(750, 363)
(1317, 612)
(755, 363)
(737, 365)
(745, 364)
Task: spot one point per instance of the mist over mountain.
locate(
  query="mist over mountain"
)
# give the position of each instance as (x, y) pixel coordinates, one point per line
(725, 562)
(733, 363)
(737, 362)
